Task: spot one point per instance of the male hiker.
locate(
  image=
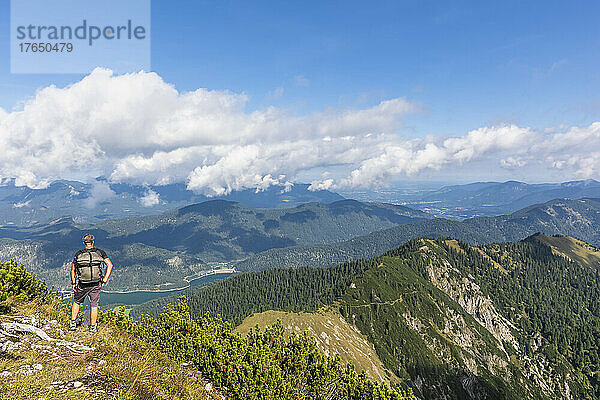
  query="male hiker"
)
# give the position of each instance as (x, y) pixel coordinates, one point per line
(87, 278)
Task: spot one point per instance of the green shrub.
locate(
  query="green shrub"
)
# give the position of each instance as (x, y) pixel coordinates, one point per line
(16, 282)
(262, 365)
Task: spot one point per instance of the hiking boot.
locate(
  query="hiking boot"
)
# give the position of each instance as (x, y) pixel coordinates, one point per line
(72, 325)
(94, 328)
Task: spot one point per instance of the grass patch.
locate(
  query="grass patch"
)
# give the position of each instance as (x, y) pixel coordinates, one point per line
(121, 366)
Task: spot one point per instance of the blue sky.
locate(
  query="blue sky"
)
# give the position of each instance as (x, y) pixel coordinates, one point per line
(466, 65)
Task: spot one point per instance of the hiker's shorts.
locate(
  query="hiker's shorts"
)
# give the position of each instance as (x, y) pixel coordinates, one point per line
(93, 291)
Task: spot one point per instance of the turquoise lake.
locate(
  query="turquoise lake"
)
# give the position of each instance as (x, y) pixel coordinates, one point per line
(109, 300)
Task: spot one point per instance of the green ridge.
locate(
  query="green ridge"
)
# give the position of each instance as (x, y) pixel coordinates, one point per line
(511, 320)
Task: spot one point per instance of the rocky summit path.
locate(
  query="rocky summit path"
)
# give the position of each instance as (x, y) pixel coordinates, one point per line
(41, 360)
(38, 348)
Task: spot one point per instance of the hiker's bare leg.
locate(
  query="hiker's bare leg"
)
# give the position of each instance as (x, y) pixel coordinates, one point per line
(93, 315)
(74, 310)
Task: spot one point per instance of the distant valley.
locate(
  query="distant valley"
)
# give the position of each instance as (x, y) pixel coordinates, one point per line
(480, 198)
(162, 249)
(165, 248)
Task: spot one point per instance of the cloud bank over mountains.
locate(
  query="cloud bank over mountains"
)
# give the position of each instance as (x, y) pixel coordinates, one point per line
(137, 128)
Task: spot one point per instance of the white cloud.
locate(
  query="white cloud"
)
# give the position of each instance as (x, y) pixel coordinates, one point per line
(150, 198)
(576, 151)
(73, 192)
(325, 184)
(137, 128)
(512, 162)
(301, 80)
(287, 186)
(485, 139)
(21, 204)
(403, 157)
(277, 92)
(99, 192)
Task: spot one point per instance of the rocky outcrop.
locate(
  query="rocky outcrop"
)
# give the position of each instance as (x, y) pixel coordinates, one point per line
(471, 298)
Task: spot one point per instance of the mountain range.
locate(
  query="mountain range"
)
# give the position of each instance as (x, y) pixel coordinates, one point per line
(101, 200)
(447, 319)
(166, 248)
(577, 218)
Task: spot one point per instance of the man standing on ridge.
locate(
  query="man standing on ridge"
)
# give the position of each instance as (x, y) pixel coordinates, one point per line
(87, 279)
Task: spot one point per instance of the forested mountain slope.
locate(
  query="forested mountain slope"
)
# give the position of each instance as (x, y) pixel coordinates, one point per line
(451, 320)
(157, 249)
(576, 218)
(570, 248)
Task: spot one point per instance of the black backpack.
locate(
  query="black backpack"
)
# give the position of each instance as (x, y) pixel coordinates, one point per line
(88, 266)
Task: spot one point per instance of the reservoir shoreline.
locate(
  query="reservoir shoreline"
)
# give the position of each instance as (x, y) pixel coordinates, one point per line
(187, 279)
(134, 297)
